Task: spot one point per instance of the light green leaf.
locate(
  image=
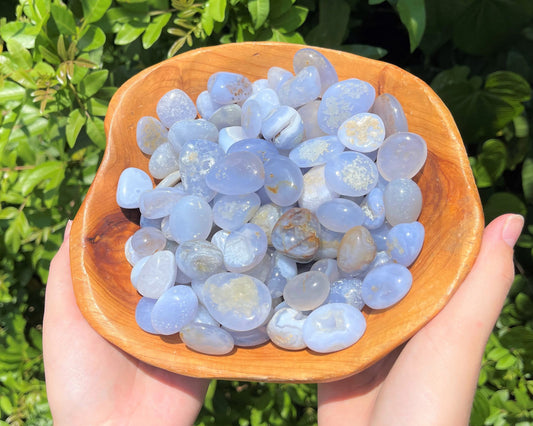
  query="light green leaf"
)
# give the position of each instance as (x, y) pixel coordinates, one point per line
(291, 20)
(129, 32)
(527, 179)
(93, 82)
(91, 39)
(154, 28)
(207, 24)
(5, 405)
(75, 122)
(19, 54)
(490, 163)
(11, 91)
(18, 229)
(506, 362)
(23, 32)
(95, 131)
(216, 9)
(292, 37)
(29, 179)
(64, 19)
(97, 107)
(93, 10)
(373, 2)
(259, 10)
(413, 16)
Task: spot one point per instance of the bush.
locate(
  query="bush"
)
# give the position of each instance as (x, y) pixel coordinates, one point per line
(60, 64)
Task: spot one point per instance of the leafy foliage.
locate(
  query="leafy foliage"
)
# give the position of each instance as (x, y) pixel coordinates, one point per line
(60, 63)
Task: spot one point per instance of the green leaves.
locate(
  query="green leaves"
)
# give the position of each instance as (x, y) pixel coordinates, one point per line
(76, 120)
(63, 18)
(489, 165)
(332, 25)
(94, 10)
(259, 10)
(479, 110)
(154, 28)
(413, 16)
(485, 25)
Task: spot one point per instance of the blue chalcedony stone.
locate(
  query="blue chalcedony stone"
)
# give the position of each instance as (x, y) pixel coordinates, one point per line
(236, 174)
(283, 181)
(174, 309)
(343, 100)
(332, 327)
(386, 285)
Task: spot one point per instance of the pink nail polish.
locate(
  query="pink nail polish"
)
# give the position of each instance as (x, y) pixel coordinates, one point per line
(512, 229)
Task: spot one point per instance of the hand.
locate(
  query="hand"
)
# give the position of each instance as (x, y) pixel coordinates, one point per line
(91, 382)
(432, 379)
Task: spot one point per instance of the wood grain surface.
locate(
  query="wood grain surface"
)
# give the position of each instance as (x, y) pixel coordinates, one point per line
(451, 214)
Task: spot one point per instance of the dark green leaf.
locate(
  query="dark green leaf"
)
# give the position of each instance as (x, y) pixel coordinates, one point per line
(479, 113)
(490, 163)
(154, 28)
(75, 122)
(64, 19)
(373, 2)
(291, 20)
(365, 50)
(93, 10)
(129, 32)
(523, 303)
(413, 16)
(259, 10)
(332, 24)
(486, 25)
(508, 86)
(93, 82)
(279, 7)
(527, 179)
(503, 202)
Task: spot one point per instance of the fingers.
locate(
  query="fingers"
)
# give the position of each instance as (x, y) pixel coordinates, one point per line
(434, 378)
(59, 299)
(476, 306)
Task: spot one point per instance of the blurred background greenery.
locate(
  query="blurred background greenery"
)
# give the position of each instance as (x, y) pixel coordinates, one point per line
(60, 63)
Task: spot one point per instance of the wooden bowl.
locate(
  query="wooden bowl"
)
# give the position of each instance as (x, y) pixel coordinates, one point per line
(451, 214)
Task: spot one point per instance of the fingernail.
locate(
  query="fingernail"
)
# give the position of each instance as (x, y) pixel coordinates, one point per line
(67, 229)
(512, 229)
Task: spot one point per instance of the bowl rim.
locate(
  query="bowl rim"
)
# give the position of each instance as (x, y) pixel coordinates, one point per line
(199, 365)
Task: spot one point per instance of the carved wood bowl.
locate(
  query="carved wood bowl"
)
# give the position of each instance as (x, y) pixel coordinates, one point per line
(451, 214)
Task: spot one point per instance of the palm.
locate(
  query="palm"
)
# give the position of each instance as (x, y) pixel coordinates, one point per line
(432, 378)
(90, 381)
